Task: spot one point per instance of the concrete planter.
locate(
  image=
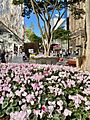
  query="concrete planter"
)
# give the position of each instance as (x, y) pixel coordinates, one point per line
(44, 60)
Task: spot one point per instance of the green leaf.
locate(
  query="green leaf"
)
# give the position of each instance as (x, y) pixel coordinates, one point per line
(9, 110)
(85, 115)
(5, 104)
(16, 108)
(1, 114)
(56, 117)
(14, 103)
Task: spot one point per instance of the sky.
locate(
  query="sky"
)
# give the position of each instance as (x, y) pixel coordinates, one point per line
(33, 20)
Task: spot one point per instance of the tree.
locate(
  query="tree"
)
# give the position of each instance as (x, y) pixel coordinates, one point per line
(61, 34)
(32, 36)
(45, 10)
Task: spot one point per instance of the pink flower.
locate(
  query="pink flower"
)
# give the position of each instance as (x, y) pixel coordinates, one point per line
(0, 88)
(46, 73)
(37, 77)
(70, 83)
(1, 100)
(77, 99)
(8, 79)
(44, 108)
(87, 91)
(37, 86)
(6, 88)
(36, 112)
(30, 97)
(18, 93)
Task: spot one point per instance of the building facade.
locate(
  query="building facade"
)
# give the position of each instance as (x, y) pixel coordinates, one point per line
(77, 29)
(11, 24)
(10, 15)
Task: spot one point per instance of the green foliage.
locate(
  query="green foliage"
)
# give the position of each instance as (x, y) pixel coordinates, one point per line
(61, 34)
(32, 36)
(5, 104)
(1, 113)
(9, 110)
(17, 2)
(41, 5)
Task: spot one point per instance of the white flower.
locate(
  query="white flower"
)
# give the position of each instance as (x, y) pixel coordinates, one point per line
(41, 114)
(51, 89)
(23, 100)
(25, 81)
(14, 87)
(67, 112)
(12, 74)
(40, 92)
(60, 104)
(24, 94)
(36, 93)
(32, 102)
(60, 92)
(50, 108)
(20, 102)
(87, 103)
(59, 80)
(54, 77)
(24, 107)
(29, 111)
(87, 108)
(51, 103)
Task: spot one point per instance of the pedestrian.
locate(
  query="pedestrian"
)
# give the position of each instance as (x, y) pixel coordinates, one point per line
(10, 56)
(24, 56)
(3, 56)
(0, 56)
(7, 57)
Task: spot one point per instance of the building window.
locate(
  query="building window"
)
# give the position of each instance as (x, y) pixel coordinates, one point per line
(1, 9)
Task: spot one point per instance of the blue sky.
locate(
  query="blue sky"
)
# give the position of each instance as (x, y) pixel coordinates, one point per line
(33, 20)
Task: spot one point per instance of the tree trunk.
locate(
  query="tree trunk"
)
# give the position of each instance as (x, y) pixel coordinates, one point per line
(47, 50)
(87, 65)
(47, 45)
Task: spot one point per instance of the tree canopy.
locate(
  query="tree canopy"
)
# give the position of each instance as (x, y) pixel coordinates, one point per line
(45, 11)
(61, 34)
(41, 6)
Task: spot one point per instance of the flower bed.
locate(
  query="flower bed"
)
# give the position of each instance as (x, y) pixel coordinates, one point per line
(44, 92)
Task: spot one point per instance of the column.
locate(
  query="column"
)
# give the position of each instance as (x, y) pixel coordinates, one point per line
(88, 35)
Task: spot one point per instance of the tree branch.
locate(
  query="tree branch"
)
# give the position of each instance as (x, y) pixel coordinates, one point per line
(59, 19)
(32, 3)
(53, 9)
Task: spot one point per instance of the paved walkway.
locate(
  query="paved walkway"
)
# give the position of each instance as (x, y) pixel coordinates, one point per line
(17, 59)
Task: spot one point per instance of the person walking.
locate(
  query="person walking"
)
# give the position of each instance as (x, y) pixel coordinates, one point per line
(0, 57)
(3, 56)
(7, 57)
